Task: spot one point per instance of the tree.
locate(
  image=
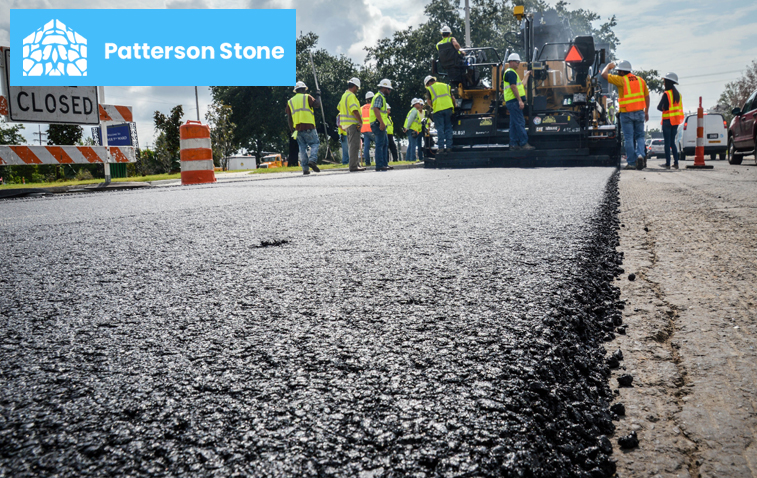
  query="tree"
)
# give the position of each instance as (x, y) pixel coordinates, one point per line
(11, 134)
(737, 92)
(163, 156)
(654, 81)
(221, 133)
(168, 126)
(64, 134)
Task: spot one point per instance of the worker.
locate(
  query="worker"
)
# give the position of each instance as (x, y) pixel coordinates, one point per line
(451, 59)
(342, 140)
(413, 128)
(671, 106)
(378, 120)
(390, 133)
(515, 101)
(442, 103)
(351, 122)
(302, 121)
(368, 136)
(634, 110)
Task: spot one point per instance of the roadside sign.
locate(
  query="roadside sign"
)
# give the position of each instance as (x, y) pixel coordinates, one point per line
(118, 135)
(50, 104)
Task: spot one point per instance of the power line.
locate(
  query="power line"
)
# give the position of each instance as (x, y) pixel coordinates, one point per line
(712, 74)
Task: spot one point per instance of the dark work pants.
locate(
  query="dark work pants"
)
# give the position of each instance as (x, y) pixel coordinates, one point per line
(393, 148)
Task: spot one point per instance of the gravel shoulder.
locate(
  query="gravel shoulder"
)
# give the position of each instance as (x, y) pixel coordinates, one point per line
(690, 238)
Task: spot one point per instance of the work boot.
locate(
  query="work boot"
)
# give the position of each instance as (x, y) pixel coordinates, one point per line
(306, 173)
(675, 166)
(356, 170)
(630, 167)
(314, 167)
(515, 147)
(527, 147)
(639, 162)
(667, 166)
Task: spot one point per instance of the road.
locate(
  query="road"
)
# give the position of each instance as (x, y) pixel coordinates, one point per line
(410, 323)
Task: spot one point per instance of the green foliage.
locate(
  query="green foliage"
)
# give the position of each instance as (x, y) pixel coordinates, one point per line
(654, 80)
(64, 134)
(11, 134)
(221, 133)
(168, 126)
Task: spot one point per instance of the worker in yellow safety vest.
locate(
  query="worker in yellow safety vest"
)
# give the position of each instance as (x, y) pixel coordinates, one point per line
(634, 110)
(671, 106)
(301, 120)
(378, 119)
(368, 136)
(413, 125)
(442, 103)
(390, 133)
(351, 121)
(515, 101)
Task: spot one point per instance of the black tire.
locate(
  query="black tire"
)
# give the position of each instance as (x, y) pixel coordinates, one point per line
(733, 156)
(713, 157)
(722, 157)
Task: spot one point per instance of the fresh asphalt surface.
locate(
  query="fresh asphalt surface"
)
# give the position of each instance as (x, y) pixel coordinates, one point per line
(409, 323)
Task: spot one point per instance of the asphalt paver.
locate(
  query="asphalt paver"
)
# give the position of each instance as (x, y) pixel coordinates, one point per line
(409, 323)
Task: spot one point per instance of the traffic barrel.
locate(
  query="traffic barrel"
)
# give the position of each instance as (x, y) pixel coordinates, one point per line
(196, 154)
(699, 151)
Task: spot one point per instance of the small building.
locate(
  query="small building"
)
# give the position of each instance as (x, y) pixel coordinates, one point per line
(242, 162)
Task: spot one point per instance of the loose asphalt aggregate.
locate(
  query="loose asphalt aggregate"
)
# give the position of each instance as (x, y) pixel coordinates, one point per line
(411, 323)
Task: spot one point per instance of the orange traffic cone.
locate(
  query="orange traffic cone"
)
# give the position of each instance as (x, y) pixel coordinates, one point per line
(699, 151)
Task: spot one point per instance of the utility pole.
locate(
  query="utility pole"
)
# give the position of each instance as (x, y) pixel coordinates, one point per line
(467, 24)
(197, 103)
(39, 134)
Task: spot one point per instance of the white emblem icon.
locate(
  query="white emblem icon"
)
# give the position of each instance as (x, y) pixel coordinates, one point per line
(55, 50)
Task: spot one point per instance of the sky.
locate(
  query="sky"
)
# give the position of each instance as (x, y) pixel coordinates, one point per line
(708, 44)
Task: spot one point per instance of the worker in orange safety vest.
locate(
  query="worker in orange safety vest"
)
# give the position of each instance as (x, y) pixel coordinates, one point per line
(634, 110)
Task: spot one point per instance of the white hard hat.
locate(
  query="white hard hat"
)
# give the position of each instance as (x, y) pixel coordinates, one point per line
(416, 101)
(427, 79)
(385, 83)
(355, 82)
(300, 84)
(672, 77)
(624, 65)
(446, 29)
(513, 57)
(369, 95)
(388, 107)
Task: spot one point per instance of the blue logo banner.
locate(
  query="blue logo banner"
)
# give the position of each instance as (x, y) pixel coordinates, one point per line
(152, 47)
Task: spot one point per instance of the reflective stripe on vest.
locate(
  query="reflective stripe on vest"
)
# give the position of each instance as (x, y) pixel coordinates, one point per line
(366, 113)
(372, 114)
(633, 94)
(509, 95)
(304, 114)
(416, 124)
(441, 98)
(346, 105)
(675, 112)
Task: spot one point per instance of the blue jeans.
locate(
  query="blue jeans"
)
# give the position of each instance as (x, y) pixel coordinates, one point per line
(305, 139)
(443, 122)
(382, 146)
(345, 149)
(633, 134)
(413, 141)
(518, 135)
(367, 139)
(668, 134)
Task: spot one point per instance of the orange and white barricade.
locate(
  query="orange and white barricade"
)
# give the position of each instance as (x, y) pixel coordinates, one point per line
(196, 154)
(22, 155)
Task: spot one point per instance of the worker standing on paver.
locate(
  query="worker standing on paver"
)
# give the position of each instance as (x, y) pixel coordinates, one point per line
(671, 106)
(368, 136)
(450, 56)
(515, 101)
(390, 133)
(413, 129)
(302, 121)
(351, 122)
(442, 104)
(634, 110)
(378, 121)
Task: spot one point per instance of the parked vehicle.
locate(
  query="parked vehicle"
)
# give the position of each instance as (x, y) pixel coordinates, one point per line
(715, 136)
(742, 134)
(272, 161)
(656, 148)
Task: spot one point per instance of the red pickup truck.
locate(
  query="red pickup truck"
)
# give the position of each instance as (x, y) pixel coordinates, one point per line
(742, 134)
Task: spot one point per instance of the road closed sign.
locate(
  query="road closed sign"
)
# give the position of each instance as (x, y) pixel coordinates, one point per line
(50, 104)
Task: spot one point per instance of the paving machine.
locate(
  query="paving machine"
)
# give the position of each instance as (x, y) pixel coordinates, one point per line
(566, 112)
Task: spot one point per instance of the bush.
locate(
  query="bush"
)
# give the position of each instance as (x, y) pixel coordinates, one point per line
(38, 178)
(83, 175)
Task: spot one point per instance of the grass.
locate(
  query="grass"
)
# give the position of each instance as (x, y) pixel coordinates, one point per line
(161, 177)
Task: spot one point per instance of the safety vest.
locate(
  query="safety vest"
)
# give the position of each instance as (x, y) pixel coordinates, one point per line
(416, 124)
(389, 124)
(509, 95)
(632, 96)
(366, 113)
(441, 97)
(347, 105)
(301, 111)
(674, 113)
(372, 114)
